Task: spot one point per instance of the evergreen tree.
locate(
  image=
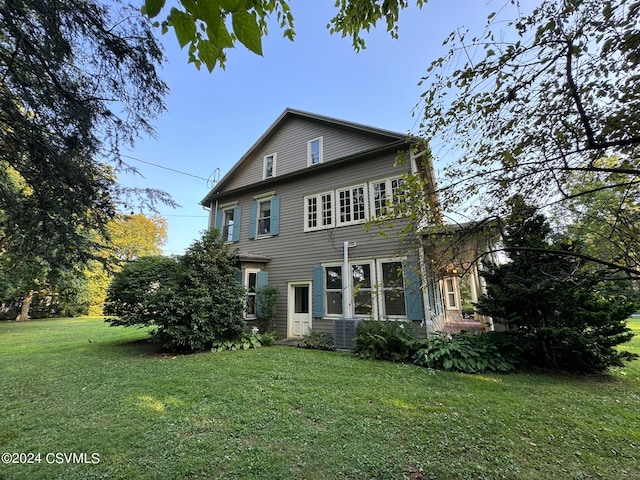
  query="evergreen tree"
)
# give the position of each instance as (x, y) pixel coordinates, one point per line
(559, 311)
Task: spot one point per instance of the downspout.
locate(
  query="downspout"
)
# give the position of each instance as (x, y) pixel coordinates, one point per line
(346, 284)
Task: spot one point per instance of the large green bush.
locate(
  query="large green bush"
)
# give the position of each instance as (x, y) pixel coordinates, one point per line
(560, 311)
(464, 352)
(385, 340)
(192, 302)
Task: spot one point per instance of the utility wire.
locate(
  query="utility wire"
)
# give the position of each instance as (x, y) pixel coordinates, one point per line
(165, 168)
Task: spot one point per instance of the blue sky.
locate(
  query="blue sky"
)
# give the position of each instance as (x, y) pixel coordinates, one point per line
(213, 119)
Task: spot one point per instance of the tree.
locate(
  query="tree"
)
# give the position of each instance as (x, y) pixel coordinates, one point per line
(78, 82)
(128, 237)
(560, 313)
(596, 217)
(136, 235)
(528, 109)
(191, 302)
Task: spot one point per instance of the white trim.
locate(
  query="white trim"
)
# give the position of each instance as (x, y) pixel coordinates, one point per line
(260, 202)
(319, 211)
(447, 293)
(264, 196)
(389, 201)
(226, 206)
(245, 283)
(225, 221)
(274, 156)
(365, 203)
(380, 287)
(321, 151)
(291, 303)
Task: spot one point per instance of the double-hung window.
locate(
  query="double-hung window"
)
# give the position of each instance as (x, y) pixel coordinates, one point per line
(264, 220)
(362, 288)
(251, 284)
(352, 205)
(393, 290)
(318, 211)
(314, 151)
(333, 289)
(264, 217)
(451, 292)
(227, 222)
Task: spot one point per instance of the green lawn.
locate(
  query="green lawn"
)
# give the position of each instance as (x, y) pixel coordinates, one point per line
(80, 386)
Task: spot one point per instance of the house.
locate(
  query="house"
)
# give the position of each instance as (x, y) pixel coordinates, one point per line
(294, 207)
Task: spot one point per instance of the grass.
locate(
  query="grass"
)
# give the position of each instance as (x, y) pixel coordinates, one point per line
(80, 386)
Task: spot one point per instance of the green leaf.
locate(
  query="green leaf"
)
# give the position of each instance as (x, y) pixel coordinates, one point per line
(231, 5)
(208, 54)
(151, 8)
(247, 30)
(184, 26)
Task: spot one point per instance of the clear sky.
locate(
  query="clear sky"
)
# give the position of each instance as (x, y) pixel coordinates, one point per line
(213, 119)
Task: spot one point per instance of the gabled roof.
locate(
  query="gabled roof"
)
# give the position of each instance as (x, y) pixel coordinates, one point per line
(290, 113)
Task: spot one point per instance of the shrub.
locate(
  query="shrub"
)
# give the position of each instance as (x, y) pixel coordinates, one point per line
(191, 302)
(245, 342)
(266, 297)
(385, 340)
(130, 298)
(318, 340)
(463, 352)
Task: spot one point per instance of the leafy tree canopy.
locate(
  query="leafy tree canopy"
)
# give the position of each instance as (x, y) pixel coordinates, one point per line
(212, 27)
(533, 104)
(78, 81)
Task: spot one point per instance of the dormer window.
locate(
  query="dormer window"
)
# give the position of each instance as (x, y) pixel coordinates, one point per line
(269, 166)
(314, 151)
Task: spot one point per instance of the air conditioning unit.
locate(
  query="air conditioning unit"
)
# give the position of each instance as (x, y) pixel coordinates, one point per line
(344, 333)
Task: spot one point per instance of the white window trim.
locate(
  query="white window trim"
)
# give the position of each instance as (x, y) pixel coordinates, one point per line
(321, 151)
(224, 222)
(365, 193)
(260, 202)
(380, 288)
(388, 193)
(273, 155)
(455, 292)
(245, 283)
(318, 197)
(373, 269)
(264, 196)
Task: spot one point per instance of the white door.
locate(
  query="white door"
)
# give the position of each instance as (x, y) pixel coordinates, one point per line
(299, 309)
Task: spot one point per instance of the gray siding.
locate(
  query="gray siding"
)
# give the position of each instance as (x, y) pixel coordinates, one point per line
(295, 252)
(289, 143)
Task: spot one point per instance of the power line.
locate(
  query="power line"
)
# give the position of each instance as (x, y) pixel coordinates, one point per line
(165, 168)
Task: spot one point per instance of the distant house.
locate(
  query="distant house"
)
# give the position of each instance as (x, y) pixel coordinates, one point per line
(297, 201)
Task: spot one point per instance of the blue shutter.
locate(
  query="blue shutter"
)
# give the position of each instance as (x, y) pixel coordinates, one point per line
(237, 215)
(275, 216)
(253, 219)
(239, 276)
(318, 291)
(218, 222)
(262, 279)
(413, 292)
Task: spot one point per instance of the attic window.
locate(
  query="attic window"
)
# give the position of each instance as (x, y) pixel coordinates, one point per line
(314, 151)
(269, 166)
